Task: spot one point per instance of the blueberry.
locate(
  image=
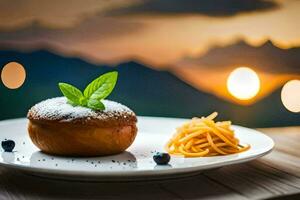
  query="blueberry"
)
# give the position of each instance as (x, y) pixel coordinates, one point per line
(161, 158)
(8, 145)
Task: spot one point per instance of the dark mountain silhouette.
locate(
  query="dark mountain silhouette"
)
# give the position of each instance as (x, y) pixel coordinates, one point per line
(266, 57)
(146, 91)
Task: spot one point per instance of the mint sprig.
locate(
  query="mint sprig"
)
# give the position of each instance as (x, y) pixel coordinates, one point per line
(101, 87)
(95, 104)
(97, 90)
(72, 93)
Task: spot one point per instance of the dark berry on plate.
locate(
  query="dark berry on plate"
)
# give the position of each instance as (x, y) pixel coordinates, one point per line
(8, 145)
(161, 158)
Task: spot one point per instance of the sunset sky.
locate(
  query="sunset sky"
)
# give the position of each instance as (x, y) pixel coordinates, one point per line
(159, 33)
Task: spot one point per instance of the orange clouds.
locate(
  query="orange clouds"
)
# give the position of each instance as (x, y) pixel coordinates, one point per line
(85, 28)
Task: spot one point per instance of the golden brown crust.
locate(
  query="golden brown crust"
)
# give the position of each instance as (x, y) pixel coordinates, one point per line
(78, 140)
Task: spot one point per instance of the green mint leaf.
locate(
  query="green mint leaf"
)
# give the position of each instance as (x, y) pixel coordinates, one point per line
(97, 90)
(101, 87)
(83, 101)
(72, 93)
(71, 102)
(95, 104)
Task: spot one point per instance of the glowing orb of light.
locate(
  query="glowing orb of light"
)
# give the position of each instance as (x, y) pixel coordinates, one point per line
(290, 95)
(13, 75)
(243, 83)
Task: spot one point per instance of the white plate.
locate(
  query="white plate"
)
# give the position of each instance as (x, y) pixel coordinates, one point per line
(135, 163)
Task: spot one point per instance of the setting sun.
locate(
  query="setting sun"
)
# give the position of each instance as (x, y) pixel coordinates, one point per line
(243, 83)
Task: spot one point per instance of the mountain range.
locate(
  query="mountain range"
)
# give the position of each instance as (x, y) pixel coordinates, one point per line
(266, 57)
(140, 87)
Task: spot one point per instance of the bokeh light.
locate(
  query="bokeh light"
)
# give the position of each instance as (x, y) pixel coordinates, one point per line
(13, 75)
(243, 83)
(290, 95)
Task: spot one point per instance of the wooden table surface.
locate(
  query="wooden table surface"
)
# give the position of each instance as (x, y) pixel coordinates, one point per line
(276, 175)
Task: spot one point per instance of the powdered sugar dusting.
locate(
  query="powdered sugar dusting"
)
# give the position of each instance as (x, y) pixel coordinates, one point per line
(58, 109)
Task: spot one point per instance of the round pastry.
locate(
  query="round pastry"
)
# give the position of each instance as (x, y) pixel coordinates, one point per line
(59, 128)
